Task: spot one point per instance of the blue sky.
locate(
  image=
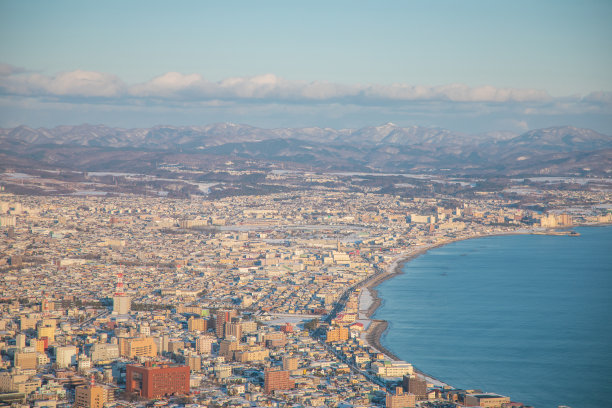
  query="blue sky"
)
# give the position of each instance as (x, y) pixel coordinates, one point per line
(465, 65)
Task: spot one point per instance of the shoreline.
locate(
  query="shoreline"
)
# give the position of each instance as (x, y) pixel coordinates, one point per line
(378, 327)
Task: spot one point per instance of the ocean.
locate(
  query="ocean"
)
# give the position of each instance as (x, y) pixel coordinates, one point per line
(526, 316)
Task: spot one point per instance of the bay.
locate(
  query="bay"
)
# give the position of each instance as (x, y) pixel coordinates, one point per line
(527, 316)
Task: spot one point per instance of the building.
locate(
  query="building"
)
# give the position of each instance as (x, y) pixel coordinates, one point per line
(40, 345)
(14, 381)
(137, 347)
(223, 316)
(26, 323)
(400, 400)
(194, 363)
(414, 385)
(204, 344)
(152, 381)
(104, 352)
(197, 324)
(277, 380)
(337, 334)
(485, 400)
(66, 356)
(392, 368)
(233, 329)
(20, 341)
(46, 331)
(92, 396)
(26, 360)
(290, 363)
(228, 347)
(122, 304)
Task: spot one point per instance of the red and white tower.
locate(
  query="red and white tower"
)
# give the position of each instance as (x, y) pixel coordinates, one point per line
(119, 286)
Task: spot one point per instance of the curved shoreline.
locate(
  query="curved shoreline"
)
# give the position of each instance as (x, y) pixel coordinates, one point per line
(378, 326)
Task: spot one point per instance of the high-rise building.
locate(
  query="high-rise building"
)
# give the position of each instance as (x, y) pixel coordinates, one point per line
(290, 363)
(339, 333)
(194, 363)
(233, 329)
(47, 332)
(277, 380)
(66, 356)
(40, 345)
(152, 381)
(20, 341)
(26, 323)
(197, 324)
(223, 316)
(204, 344)
(414, 385)
(121, 302)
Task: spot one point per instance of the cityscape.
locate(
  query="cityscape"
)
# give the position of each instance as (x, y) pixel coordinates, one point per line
(120, 299)
(291, 204)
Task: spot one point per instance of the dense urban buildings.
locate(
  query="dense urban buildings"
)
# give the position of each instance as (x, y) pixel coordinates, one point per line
(240, 300)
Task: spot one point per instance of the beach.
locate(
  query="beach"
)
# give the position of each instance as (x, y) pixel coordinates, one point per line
(369, 301)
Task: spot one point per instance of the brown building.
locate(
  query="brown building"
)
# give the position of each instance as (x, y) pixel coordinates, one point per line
(414, 385)
(277, 380)
(26, 361)
(337, 334)
(223, 316)
(290, 363)
(137, 347)
(194, 363)
(92, 396)
(197, 324)
(152, 381)
(485, 400)
(233, 329)
(275, 339)
(400, 400)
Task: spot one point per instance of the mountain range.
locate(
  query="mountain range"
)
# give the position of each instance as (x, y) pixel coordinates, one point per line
(564, 150)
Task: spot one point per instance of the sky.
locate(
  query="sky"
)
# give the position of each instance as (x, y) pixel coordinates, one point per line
(471, 66)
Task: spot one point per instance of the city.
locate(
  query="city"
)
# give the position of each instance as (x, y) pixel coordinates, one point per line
(123, 299)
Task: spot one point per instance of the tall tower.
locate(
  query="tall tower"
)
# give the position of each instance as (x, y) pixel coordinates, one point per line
(121, 301)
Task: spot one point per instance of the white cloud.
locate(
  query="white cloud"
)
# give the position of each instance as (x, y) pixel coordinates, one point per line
(177, 89)
(66, 84)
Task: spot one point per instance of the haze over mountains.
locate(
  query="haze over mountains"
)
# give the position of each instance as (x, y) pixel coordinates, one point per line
(387, 148)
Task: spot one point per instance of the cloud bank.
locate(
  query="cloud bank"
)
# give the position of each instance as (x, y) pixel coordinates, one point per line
(268, 101)
(174, 86)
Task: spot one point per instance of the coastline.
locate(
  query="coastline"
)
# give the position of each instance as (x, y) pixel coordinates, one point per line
(377, 327)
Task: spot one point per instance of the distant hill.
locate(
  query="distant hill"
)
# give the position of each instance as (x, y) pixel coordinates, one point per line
(387, 148)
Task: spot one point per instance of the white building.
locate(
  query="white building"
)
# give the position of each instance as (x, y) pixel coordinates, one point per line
(121, 304)
(66, 356)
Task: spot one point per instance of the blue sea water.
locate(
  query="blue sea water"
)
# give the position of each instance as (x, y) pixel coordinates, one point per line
(527, 316)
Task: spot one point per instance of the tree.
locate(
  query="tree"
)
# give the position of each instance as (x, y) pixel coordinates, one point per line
(312, 324)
